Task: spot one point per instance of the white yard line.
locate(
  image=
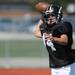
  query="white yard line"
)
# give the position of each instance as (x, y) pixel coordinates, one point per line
(17, 36)
(24, 62)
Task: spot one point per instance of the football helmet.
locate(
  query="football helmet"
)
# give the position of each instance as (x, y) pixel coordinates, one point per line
(53, 10)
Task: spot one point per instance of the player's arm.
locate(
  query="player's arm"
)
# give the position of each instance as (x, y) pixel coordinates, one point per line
(37, 32)
(62, 40)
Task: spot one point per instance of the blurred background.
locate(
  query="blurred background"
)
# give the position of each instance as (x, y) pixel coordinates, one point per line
(18, 46)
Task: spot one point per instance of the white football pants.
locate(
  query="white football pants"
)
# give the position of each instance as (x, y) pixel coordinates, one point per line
(68, 70)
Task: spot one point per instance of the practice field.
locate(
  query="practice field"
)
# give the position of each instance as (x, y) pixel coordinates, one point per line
(23, 48)
(23, 56)
(20, 49)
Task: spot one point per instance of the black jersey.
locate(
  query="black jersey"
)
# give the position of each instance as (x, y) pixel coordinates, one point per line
(62, 56)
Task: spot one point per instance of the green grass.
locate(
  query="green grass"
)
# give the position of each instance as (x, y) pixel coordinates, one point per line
(2, 49)
(23, 48)
(19, 48)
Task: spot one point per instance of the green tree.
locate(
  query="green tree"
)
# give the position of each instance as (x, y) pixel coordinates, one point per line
(60, 2)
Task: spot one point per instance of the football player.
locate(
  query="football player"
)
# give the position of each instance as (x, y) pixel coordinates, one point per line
(57, 38)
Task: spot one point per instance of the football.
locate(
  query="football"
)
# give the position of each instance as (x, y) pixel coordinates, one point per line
(41, 6)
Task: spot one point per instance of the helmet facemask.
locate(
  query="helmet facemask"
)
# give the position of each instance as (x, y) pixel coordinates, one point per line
(53, 11)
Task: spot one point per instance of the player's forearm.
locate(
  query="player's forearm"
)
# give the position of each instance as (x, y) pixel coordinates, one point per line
(37, 32)
(60, 41)
(38, 35)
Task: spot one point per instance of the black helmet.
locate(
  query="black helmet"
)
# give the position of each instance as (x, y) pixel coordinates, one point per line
(53, 10)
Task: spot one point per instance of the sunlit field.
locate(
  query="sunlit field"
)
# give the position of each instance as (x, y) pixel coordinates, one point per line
(15, 54)
(23, 48)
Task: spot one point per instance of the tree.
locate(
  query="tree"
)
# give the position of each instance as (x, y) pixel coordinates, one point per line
(60, 2)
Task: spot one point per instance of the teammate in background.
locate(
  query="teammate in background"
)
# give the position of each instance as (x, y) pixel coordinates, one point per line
(57, 37)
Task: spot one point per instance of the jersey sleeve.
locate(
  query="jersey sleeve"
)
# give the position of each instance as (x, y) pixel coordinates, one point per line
(65, 28)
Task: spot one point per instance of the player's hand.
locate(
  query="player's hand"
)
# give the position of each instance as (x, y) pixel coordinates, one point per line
(48, 36)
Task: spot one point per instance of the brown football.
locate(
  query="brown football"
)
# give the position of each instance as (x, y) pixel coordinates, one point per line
(41, 6)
